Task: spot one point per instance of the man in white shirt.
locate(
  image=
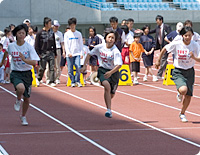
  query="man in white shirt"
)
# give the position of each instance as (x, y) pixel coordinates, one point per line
(74, 48)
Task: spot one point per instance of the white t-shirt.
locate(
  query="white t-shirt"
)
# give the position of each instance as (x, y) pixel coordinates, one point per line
(59, 39)
(27, 50)
(129, 39)
(195, 37)
(84, 54)
(181, 51)
(107, 58)
(5, 41)
(73, 42)
(30, 39)
(1, 57)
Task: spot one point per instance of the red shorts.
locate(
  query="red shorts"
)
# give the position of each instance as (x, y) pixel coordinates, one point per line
(125, 55)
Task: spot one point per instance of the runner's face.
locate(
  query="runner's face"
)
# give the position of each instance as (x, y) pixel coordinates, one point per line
(187, 37)
(21, 34)
(110, 39)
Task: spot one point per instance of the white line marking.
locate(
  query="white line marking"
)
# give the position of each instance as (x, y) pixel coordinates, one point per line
(130, 118)
(3, 151)
(89, 131)
(66, 126)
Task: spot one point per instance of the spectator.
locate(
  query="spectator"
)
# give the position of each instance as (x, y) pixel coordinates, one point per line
(73, 42)
(45, 46)
(124, 22)
(130, 23)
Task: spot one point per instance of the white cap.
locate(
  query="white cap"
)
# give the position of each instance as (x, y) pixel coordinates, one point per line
(56, 23)
(179, 26)
(26, 20)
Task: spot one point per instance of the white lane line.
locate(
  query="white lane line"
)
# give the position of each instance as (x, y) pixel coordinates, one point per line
(66, 126)
(90, 131)
(130, 118)
(3, 151)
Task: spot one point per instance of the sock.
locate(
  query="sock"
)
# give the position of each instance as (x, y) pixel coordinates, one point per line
(109, 110)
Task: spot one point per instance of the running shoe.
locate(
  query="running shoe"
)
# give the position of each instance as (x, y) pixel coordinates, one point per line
(179, 97)
(73, 85)
(79, 84)
(135, 81)
(52, 84)
(183, 118)
(57, 81)
(155, 79)
(108, 114)
(48, 81)
(17, 105)
(145, 78)
(23, 120)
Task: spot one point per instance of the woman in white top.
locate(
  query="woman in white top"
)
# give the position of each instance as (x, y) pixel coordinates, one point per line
(186, 52)
(110, 61)
(24, 57)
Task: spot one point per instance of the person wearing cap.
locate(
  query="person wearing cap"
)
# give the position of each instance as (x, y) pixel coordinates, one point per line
(170, 37)
(59, 50)
(45, 46)
(135, 53)
(27, 22)
(24, 57)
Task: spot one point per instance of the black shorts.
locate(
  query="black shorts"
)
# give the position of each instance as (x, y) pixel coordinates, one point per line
(135, 66)
(25, 77)
(93, 60)
(113, 80)
(183, 77)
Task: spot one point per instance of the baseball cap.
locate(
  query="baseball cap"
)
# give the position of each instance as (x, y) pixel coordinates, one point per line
(56, 23)
(179, 26)
(26, 20)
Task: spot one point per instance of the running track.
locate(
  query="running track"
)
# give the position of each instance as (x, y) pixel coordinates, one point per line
(71, 121)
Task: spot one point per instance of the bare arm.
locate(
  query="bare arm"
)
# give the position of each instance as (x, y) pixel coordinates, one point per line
(167, 40)
(4, 57)
(109, 73)
(30, 62)
(195, 58)
(85, 62)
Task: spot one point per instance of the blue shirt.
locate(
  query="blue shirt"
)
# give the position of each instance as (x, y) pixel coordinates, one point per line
(172, 35)
(93, 41)
(147, 42)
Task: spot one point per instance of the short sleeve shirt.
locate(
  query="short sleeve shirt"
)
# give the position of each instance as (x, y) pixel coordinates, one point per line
(27, 50)
(181, 51)
(136, 50)
(107, 57)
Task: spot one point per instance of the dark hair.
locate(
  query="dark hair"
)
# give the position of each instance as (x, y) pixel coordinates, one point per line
(137, 35)
(159, 17)
(72, 21)
(188, 22)
(108, 31)
(6, 31)
(1, 45)
(125, 29)
(20, 27)
(130, 20)
(67, 27)
(46, 20)
(11, 25)
(113, 19)
(186, 29)
(94, 29)
(35, 29)
(145, 26)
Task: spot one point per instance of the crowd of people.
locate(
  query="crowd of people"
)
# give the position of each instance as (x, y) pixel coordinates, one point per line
(49, 51)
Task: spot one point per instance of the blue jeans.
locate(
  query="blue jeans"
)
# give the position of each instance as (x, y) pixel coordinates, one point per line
(74, 61)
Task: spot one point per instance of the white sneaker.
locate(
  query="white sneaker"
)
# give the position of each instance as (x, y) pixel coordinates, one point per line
(138, 77)
(183, 118)
(17, 105)
(135, 81)
(23, 120)
(79, 84)
(108, 114)
(57, 81)
(7, 81)
(48, 81)
(38, 82)
(179, 97)
(52, 84)
(144, 78)
(155, 79)
(73, 85)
